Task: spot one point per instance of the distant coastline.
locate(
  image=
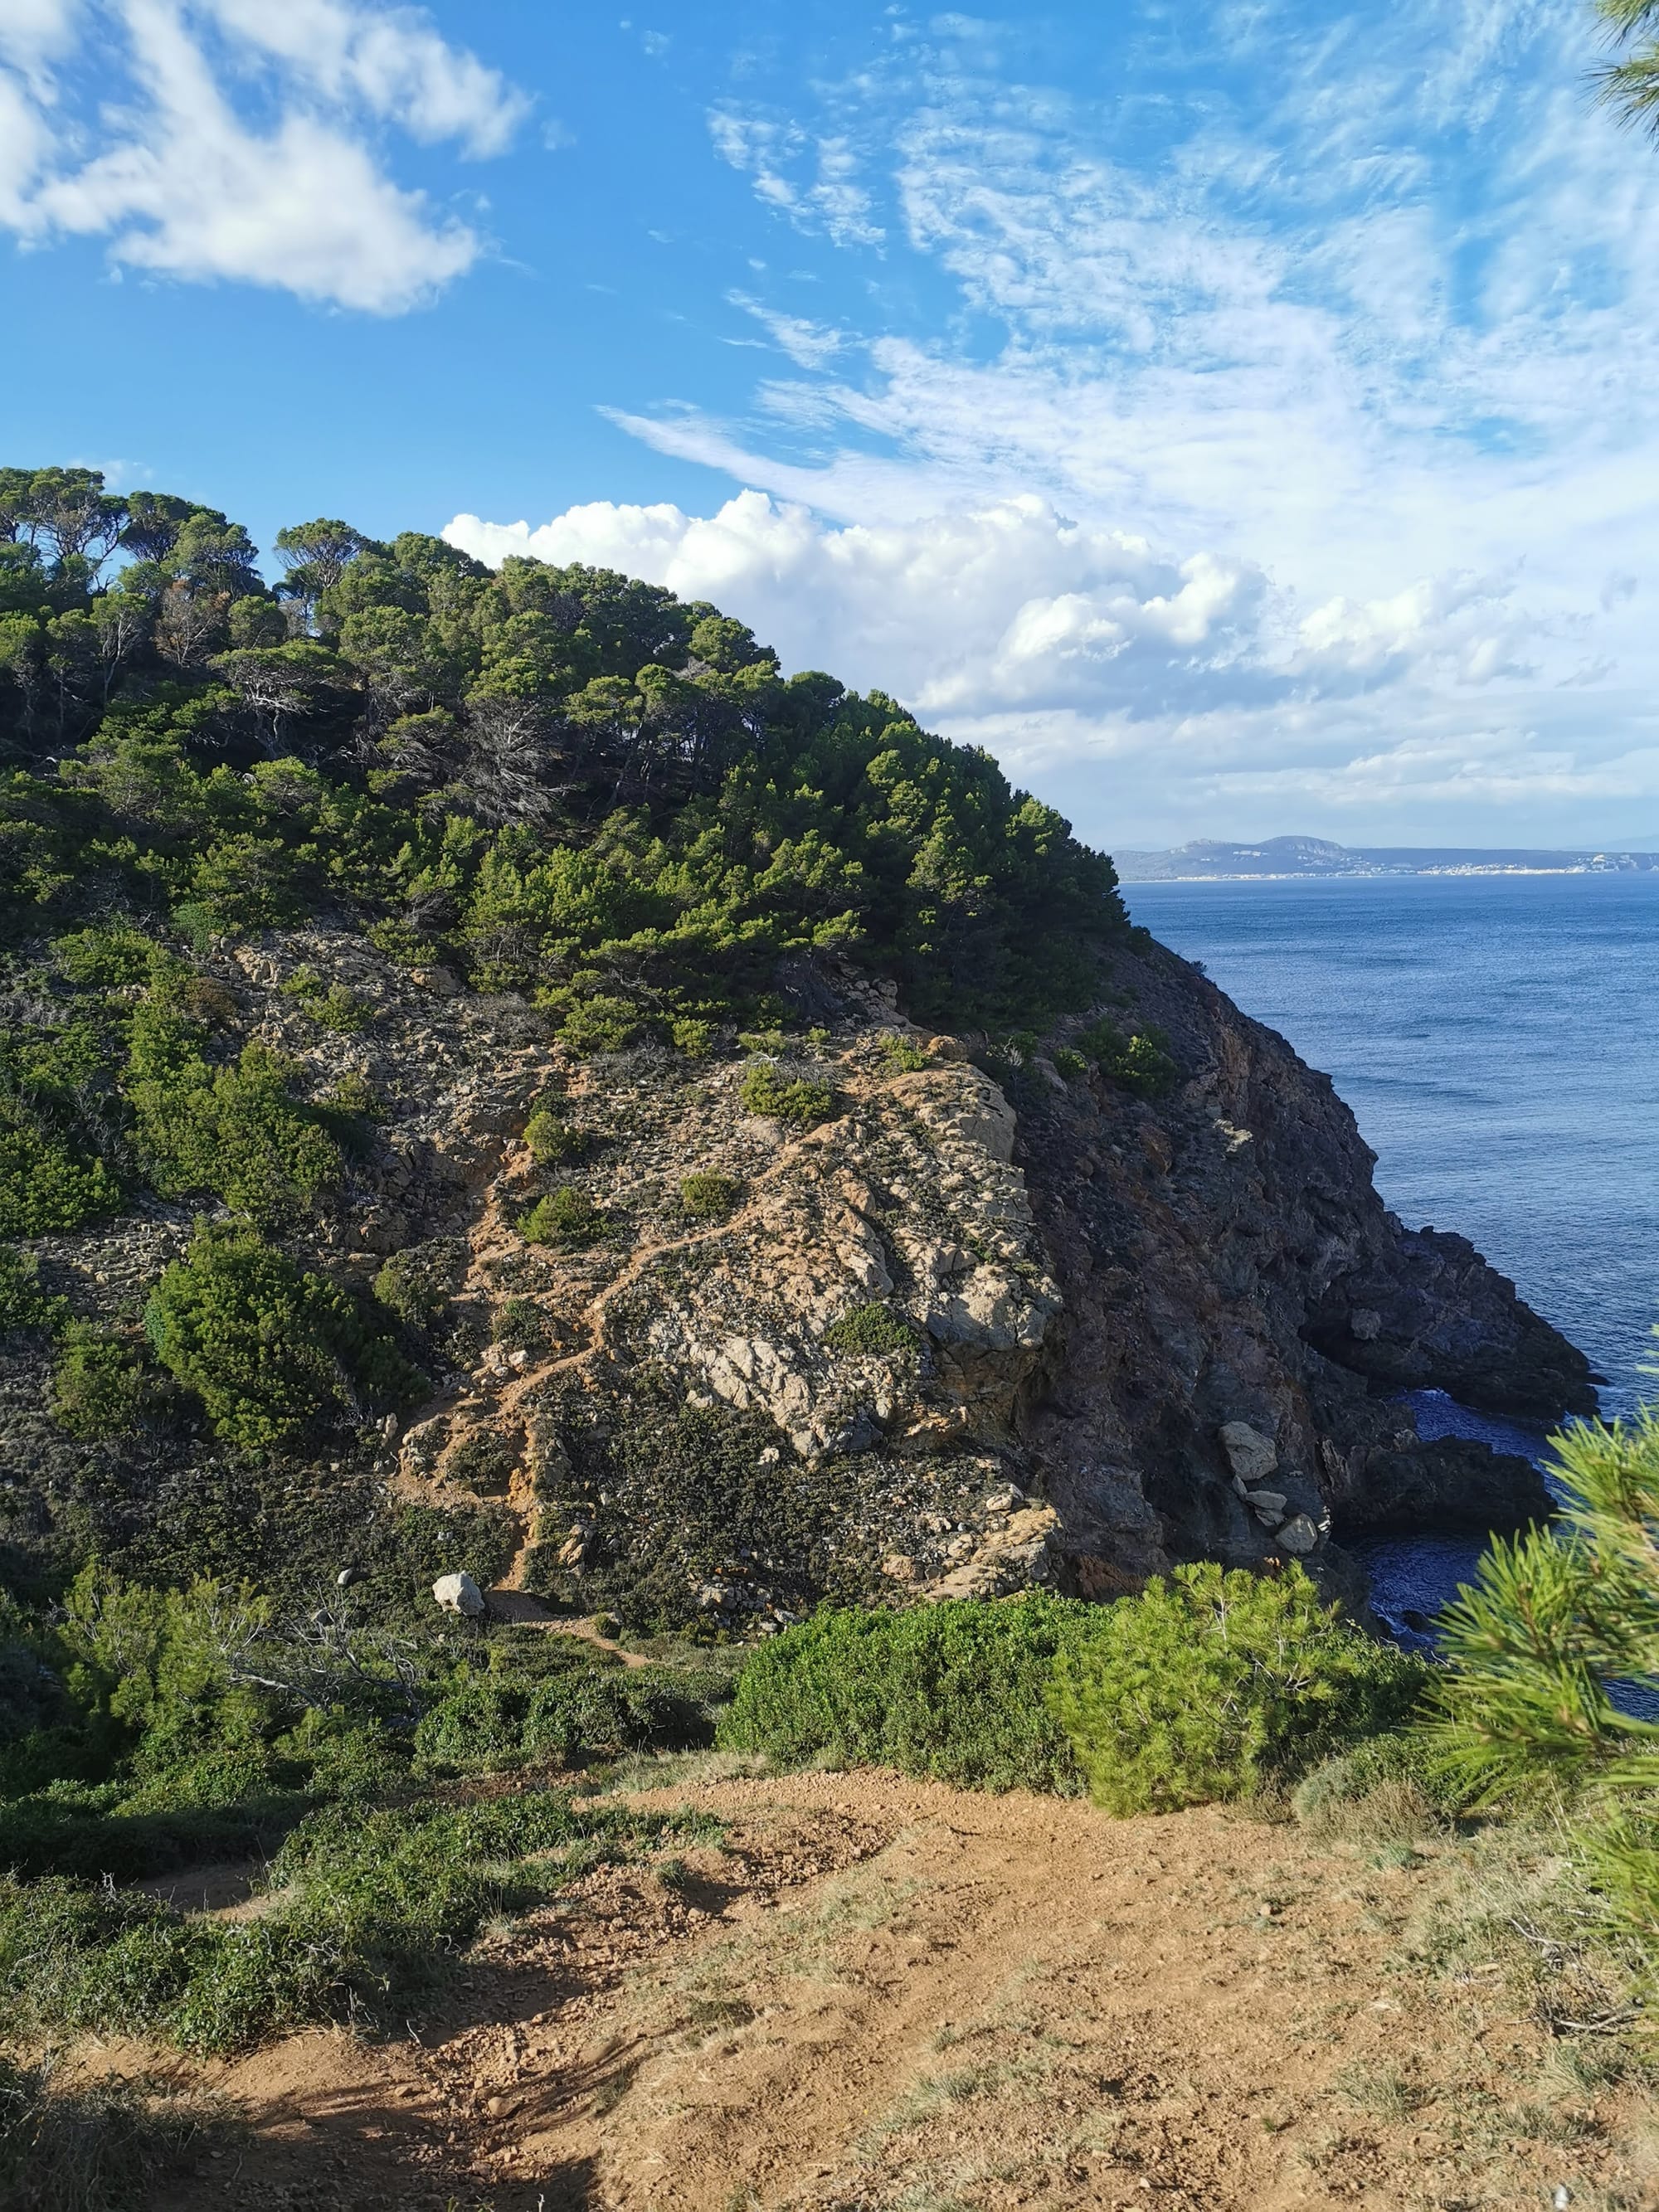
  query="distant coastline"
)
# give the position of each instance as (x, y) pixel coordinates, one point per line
(1286, 859)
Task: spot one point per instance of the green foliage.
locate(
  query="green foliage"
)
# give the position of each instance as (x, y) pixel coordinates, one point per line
(799, 1101)
(1212, 1684)
(901, 1057)
(552, 1141)
(955, 1690)
(872, 1332)
(370, 1905)
(23, 1304)
(1527, 1707)
(520, 1325)
(268, 1348)
(332, 1008)
(481, 1462)
(1070, 1064)
(709, 1195)
(1630, 86)
(1141, 1063)
(418, 1282)
(566, 1216)
(103, 1383)
(237, 1132)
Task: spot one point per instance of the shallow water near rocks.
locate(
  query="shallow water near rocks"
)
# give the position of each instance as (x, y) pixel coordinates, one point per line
(1494, 1038)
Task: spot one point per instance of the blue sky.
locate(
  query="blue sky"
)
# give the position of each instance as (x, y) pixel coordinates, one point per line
(1239, 417)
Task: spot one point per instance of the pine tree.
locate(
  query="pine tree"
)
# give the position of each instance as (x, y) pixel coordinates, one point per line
(1549, 1654)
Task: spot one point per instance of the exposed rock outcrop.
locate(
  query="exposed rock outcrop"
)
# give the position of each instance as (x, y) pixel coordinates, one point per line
(968, 1333)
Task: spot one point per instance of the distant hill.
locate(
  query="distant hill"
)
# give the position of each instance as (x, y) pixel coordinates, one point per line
(1210, 859)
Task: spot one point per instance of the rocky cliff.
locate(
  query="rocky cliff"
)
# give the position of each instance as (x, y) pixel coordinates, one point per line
(983, 1322)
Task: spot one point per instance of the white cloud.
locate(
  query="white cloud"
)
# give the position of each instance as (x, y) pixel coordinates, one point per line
(1355, 329)
(828, 196)
(187, 188)
(808, 344)
(967, 615)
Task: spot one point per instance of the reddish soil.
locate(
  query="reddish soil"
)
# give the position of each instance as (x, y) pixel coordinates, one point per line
(882, 1995)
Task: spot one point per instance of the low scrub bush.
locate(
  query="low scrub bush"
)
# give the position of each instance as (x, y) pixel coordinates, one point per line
(23, 1304)
(1209, 1686)
(552, 1141)
(1141, 1063)
(370, 1905)
(709, 1195)
(103, 1384)
(955, 1690)
(901, 1057)
(565, 1217)
(1214, 1684)
(801, 1101)
(270, 1349)
(102, 2146)
(872, 1331)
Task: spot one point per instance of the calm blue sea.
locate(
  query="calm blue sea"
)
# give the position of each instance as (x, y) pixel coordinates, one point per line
(1496, 1037)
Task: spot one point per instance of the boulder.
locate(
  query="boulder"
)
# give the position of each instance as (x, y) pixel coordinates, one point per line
(1298, 1533)
(459, 1593)
(1251, 1456)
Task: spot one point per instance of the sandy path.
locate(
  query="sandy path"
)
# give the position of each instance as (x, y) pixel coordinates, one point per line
(890, 1997)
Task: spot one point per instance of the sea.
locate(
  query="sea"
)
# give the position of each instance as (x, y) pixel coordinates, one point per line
(1496, 1037)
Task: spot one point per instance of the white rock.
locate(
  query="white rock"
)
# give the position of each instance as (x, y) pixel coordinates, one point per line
(1298, 1533)
(1251, 1456)
(459, 1593)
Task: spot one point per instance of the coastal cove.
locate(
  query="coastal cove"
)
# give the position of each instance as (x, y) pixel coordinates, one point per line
(1492, 1035)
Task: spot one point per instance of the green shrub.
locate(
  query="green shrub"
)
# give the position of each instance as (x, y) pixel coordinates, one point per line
(801, 1101)
(872, 1332)
(955, 1690)
(418, 1283)
(44, 1186)
(479, 1728)
(371, 1904)
(238, 1132)
(565, 1217)
(268, 1348)
(601, 1023)
(901, 1057)
(1141, 1063)
(520, 1325)
(23, 1304)
(551, 1139)
(103, 1384)
(1070, 1064)
(1212, 1684)
(1386, 1785)
(695, 1039)
(709, 1195)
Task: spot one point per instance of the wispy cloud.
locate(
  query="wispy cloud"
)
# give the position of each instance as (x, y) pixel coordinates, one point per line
(188, 185)
(1366, 308)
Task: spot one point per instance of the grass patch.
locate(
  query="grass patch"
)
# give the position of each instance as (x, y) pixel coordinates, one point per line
(104, 2146)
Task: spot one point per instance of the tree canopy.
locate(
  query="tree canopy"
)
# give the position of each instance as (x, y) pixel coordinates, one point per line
(563, 781)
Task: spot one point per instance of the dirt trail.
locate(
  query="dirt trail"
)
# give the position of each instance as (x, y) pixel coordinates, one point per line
(885, 1997)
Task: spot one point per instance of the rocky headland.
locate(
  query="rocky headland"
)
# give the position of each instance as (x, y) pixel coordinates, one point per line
(992, 1320)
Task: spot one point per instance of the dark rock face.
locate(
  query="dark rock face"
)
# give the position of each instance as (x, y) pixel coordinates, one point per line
(1224, 1257)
